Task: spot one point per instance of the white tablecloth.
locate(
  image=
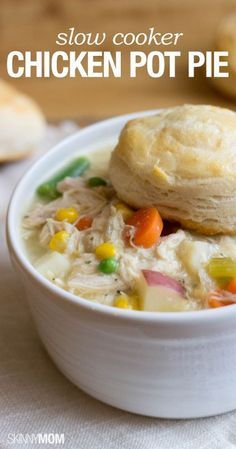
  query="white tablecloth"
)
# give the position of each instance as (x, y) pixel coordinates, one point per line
(36, 399)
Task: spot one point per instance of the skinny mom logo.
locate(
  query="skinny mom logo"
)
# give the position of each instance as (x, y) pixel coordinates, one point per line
(36, 438)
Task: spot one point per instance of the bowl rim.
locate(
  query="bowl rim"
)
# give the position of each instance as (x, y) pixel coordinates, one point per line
(199, 316)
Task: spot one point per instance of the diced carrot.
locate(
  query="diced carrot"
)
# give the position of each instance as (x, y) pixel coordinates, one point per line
(148, 226)
(231, 287)
(84, 223)
(218, 298)
(214, 303)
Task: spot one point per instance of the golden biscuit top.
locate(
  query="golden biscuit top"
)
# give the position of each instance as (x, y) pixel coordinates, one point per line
(186, 142)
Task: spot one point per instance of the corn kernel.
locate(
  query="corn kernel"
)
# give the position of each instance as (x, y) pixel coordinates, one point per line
(68, 214)
(59, 241)
(125, 211)
(105, 250)
(127, 302)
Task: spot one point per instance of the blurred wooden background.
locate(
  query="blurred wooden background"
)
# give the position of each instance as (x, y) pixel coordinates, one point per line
(34, 25)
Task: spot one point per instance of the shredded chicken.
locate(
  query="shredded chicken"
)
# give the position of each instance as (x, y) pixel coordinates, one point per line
(74, 194)
(174, 255)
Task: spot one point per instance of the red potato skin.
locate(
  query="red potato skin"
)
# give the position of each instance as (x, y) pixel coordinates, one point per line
(155, 278)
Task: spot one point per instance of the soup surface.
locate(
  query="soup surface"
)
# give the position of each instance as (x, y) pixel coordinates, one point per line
(81, 237)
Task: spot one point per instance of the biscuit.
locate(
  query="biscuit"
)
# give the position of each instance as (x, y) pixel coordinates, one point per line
(22, 124)
(183, 161)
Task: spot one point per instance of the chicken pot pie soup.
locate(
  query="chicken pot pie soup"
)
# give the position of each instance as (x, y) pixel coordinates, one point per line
(89, 232)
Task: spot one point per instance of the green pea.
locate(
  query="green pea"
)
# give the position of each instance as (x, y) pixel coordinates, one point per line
(96, 181)
(108, 266)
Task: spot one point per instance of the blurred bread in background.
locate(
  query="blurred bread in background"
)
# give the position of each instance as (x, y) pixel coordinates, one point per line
(22, 124)
(226, 41)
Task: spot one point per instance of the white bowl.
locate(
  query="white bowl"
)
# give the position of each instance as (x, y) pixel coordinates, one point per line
(170, 365)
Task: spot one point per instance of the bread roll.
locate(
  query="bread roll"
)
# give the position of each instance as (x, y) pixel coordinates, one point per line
(21, 124)
(182, 160)
(226, 41)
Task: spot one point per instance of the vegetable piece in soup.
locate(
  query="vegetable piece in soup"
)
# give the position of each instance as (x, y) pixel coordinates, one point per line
(80, 236)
